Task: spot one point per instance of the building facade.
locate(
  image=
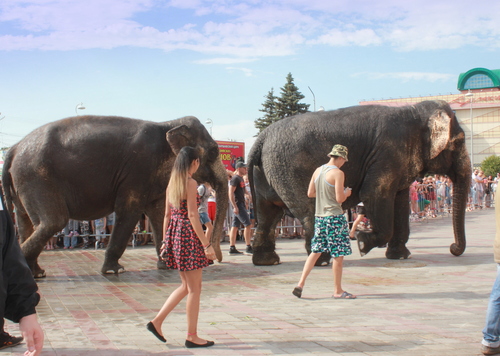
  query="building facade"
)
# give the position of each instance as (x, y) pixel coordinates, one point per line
(476, 106)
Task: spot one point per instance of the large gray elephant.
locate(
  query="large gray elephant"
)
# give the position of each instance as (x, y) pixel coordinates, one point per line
(86, 167)
(388, 148)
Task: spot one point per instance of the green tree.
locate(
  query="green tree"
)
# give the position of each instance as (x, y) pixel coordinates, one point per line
(491, 165)
(270, 112)
(288, 103)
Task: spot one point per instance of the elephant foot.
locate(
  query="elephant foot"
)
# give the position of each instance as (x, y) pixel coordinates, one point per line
(323, 260)
(39, 274)
(456, 250)
(265, 258)
(109, 268)
(366, 242)
(160, 264)
(401, 253)
(36, 270)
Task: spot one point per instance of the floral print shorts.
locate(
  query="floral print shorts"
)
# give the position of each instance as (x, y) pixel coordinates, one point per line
(331, 234)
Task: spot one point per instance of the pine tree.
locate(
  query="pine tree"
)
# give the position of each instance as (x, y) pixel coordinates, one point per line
(288, 104)
(269, 110)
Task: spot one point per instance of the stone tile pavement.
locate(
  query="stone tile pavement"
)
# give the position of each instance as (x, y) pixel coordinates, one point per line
(431, 304)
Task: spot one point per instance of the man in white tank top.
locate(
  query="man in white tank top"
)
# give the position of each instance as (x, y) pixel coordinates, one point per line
(331, 232)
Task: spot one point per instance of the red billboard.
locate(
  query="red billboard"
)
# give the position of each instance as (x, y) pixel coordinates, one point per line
(230, 151)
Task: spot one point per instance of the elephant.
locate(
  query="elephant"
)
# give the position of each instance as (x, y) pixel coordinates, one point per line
(389, 147)
(86, 167)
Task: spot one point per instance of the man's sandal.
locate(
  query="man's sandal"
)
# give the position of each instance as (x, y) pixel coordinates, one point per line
(345, 295)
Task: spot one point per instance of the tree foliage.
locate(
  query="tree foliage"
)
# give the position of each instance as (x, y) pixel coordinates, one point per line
(491, 165)
(276, 108)
(288, 103)
(269, 108)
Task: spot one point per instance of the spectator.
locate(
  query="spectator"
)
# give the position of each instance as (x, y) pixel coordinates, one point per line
(110, 222)
(204, 193)
(71, 234)
(491, 332)
(361, 213)
(99, 227)
(237, 193)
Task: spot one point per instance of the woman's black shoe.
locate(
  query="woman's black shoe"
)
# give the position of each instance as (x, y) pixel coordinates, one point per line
(191, 345)
(152, 328)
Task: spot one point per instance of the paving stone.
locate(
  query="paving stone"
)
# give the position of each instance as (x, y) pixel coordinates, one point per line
(432, 304)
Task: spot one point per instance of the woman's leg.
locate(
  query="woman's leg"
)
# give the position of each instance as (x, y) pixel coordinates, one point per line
(171, 302)
(355, 224)
(194, 282)
(308, 266)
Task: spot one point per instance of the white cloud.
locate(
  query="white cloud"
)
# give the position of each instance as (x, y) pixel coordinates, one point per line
(246, 71)
(225, 60)
(248, 28)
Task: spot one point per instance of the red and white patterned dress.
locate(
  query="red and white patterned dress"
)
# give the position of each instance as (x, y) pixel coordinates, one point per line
(184, 250)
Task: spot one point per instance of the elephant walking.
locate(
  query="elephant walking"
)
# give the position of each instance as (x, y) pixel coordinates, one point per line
(86, 167)
(388, 149)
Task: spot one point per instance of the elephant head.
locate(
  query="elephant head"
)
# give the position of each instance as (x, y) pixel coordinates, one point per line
(191, 133)
(448, 156)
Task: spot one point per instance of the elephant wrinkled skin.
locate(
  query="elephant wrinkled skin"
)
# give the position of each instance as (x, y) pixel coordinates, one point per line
(86, 167)
(389, 147)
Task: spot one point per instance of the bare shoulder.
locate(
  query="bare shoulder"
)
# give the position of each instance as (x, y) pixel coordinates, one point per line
(192, 183)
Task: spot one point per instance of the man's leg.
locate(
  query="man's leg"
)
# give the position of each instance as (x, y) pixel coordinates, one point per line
(248, 238)
(491, 331)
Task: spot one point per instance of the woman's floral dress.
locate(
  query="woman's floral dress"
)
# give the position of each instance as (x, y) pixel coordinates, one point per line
(183, 249)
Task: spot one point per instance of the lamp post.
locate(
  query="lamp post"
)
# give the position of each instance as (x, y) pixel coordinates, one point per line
(470, 95)
(211, 123)
(314, 98)
(79, 107)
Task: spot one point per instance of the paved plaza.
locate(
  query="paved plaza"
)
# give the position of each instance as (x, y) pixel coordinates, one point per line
(431, 304)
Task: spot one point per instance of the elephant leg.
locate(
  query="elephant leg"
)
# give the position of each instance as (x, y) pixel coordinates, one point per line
(24, 225)
(155, 215)
(397, 245)
(381, 215)
(34, 245)
(124, 226)
(264, 243)
(43, 220)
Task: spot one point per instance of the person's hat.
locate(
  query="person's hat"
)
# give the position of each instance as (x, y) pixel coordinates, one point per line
(339, 150)
(240, 164)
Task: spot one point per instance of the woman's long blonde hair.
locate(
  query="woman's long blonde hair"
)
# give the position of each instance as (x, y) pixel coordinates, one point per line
(177, 186)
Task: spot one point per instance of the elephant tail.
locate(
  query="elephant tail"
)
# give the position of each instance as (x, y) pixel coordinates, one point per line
(255, 162)
(8, 189)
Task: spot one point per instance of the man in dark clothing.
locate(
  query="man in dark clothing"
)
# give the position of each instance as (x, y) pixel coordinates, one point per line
(18, 290)
(237, 193)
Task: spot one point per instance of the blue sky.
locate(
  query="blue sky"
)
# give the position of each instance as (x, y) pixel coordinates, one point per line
(160, 60)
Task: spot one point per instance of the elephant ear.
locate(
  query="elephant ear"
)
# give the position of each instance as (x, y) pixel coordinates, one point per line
(178, 137)
(440, 129)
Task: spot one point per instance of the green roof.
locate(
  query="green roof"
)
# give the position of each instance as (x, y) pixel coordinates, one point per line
(479, 78)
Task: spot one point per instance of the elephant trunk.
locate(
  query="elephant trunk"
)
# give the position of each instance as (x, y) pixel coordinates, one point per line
(461, 186)
(221, 188)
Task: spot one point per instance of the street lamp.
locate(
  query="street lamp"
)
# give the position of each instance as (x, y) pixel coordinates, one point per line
(79, 107)
(211, 123)
(471, 96)
(314, 98)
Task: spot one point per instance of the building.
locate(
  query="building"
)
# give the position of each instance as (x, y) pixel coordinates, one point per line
(476, 106)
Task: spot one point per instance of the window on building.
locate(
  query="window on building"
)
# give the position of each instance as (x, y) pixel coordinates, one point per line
(479, 81)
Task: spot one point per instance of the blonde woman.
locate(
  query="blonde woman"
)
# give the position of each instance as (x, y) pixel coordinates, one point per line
(185, 246)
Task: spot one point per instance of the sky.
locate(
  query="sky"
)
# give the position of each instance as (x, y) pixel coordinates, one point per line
(217, 59)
